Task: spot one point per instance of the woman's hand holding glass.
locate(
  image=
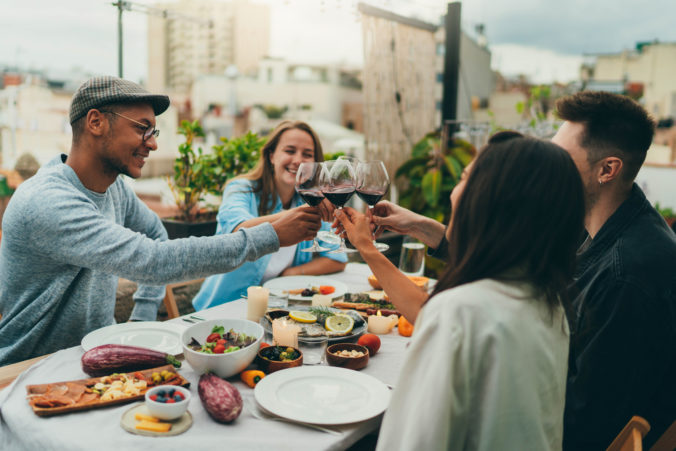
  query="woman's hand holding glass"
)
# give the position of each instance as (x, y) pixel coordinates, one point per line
(358, 227)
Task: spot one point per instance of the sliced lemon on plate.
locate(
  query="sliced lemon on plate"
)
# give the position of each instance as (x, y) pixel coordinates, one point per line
(302, 317)
(339, 323)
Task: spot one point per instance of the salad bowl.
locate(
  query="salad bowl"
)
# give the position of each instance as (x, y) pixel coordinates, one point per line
(242, 337)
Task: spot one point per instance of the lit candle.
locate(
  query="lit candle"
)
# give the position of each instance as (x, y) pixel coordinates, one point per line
(379, 324)
(321, 300)
(285, 333)
(256, 303)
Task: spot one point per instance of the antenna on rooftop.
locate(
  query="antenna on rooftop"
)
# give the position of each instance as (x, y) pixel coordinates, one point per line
(149, 10)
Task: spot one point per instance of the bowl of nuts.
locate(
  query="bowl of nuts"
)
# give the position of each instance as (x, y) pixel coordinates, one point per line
(347, 355)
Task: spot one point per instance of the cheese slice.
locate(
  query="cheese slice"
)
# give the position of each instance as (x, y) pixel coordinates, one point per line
(141, 417)
(377, 295)
(152, 426)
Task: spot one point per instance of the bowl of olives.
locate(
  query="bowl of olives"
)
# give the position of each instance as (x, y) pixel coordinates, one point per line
(275, 358)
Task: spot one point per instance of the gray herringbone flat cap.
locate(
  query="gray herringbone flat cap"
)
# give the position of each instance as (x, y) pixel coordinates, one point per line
(104, 90)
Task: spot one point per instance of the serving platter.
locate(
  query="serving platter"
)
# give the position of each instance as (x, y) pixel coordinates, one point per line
(281, 284)
(33, 391)
(357, 331)
(159, 336)
(323, 395)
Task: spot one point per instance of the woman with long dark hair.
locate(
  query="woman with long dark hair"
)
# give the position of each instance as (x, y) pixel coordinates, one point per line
(486, 367)
(263, 195)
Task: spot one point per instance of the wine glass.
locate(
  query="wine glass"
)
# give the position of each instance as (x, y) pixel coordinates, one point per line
(338, 185)
(372, 184)
(309, 188)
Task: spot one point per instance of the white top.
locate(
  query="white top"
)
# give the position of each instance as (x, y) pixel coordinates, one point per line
(279, 261)
(485, 370)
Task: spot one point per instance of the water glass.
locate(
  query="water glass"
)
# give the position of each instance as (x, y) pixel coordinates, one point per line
(278, 299)
(313, 349)
(412, 258)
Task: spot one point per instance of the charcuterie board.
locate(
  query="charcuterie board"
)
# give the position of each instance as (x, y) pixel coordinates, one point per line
(72, 396)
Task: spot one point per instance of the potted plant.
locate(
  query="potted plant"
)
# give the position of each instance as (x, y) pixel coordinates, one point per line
(197, 174)
(430, 175)
(667, 213)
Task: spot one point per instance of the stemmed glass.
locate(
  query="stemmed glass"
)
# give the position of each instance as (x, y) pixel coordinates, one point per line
(338, 185)
(372, 184)
(309, 187)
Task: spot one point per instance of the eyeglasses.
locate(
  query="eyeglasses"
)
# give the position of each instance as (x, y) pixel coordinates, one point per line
(148, 131)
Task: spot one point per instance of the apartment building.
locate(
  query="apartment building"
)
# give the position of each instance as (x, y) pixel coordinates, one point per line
(33, 118)
(197, 37)
(650, 64)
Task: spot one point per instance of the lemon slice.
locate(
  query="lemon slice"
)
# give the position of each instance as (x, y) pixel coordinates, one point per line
(339, 323)
(302, 317)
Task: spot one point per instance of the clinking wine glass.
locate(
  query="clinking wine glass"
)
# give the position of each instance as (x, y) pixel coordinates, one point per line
(309, 188)
(338, 185)
(372, 184)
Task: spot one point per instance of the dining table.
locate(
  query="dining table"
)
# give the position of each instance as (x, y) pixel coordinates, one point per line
(21, 428)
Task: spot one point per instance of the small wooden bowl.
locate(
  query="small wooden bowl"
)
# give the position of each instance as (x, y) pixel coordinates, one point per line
(270, 366)
(352, 363)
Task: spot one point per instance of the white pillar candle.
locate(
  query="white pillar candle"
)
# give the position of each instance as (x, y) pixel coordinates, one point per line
(256, 303)
(285, 333)
(378, 324)
(321, 300)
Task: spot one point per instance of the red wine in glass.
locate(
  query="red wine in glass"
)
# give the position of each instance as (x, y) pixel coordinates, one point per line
(372, 184)
(339, 196)
(371, 197)
(308, 187)
(311, 197)
(338, 184)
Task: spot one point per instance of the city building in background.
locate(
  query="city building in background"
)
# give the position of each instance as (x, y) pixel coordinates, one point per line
(645, 73)
(33, 117)
(279, 89)
(219, 35)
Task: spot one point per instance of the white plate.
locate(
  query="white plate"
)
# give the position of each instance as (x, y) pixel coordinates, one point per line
(297, 282)
(162, 337)
(322, 395)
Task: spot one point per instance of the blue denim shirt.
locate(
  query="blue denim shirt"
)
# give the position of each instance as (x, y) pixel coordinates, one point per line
(240, 203)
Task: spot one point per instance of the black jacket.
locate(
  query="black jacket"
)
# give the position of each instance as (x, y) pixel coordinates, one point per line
(623, 329)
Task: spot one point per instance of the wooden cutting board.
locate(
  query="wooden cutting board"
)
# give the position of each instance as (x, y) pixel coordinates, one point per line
(95, 404)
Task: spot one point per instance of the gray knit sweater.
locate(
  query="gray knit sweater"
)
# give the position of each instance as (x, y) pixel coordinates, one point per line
(64, 247)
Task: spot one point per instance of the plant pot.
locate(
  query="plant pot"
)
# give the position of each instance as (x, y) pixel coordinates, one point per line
(177, 228)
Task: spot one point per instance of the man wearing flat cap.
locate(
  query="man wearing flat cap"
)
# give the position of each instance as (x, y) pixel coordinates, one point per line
(72, 229)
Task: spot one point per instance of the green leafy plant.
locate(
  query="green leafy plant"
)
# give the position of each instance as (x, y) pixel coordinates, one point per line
(333, 156)
(233, 157)
(432, 172)
(197, 174)
(665, 212)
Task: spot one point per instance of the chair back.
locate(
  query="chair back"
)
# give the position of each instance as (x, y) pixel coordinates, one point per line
(631, 436)
(667, 442)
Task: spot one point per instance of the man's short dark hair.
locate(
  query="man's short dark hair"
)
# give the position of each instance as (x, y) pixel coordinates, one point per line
(614, 125)
(77, 127)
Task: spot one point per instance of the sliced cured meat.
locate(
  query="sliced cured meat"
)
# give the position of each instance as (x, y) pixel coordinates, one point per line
(351, 305)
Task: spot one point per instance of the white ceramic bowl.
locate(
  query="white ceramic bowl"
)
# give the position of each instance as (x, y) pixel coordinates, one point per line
(223, 365)
(166, 411)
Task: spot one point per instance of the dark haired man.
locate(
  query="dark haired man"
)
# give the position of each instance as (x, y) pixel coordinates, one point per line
(623, 327)
(72, 229)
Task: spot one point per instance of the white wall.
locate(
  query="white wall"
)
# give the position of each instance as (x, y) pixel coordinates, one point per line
(658, 182)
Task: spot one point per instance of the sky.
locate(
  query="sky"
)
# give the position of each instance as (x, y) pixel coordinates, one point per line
(543, 39)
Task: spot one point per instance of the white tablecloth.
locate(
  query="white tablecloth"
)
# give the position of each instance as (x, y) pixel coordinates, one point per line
(100, 429)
